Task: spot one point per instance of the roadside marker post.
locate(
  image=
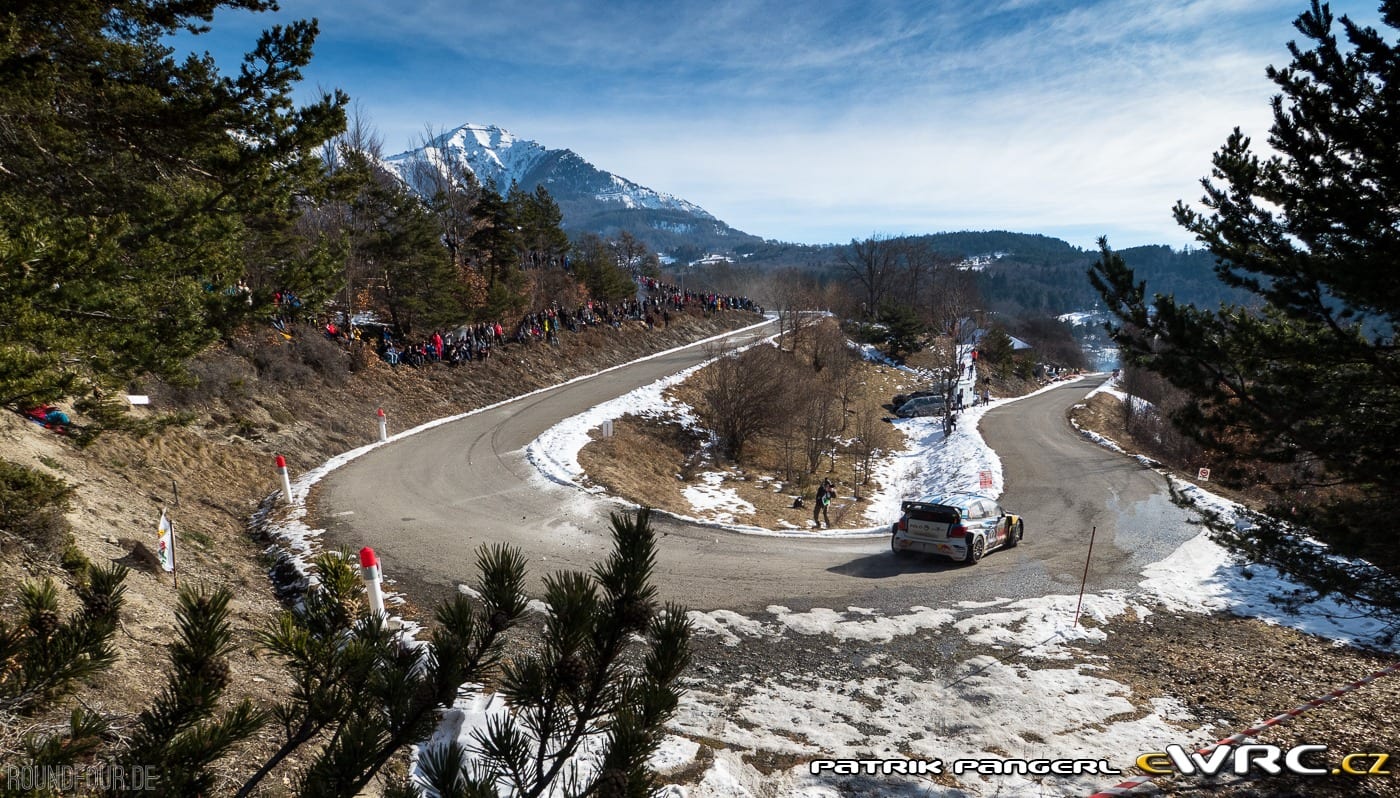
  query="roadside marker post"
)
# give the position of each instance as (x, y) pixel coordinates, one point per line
(383, 426)
(286, 480)
(1085, 581)
(373, 575)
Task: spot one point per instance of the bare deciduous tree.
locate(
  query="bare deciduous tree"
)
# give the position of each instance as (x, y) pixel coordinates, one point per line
(743, 395)
(442, 175)
(873, 264)
(820, 418)
(873, 438)
(796, 297)
(923, 274)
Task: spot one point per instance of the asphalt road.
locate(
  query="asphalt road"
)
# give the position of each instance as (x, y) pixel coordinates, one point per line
(426, 503)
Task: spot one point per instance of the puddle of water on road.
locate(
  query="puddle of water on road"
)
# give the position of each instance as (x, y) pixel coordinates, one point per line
(1151, 528)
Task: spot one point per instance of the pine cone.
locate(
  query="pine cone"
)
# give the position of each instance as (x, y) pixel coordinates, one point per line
(44, 623)
(633, 614)
(216, 673)
(349, 608)
(570, 671)
(99, 605)
(612, 783)
(499, 621)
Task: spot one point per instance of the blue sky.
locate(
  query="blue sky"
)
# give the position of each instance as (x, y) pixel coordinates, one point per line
(819, 122)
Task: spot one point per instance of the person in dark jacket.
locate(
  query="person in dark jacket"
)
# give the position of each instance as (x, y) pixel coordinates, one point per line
(819, 510)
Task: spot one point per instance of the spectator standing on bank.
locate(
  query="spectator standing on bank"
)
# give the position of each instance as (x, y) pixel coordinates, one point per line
(819, 509)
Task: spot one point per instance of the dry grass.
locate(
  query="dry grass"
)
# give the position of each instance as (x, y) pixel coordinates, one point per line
(643, 460)
(651, 461)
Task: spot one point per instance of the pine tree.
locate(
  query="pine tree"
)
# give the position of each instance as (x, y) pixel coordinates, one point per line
(904, 333)
(495, 252)
(541, 238)
(394, 239)
(595, 265)
(55, 753)
(995, 348)
(44, 655)
(360, 689)
(586, 683)
(182, 730)
(130, 184)
(1298, 391)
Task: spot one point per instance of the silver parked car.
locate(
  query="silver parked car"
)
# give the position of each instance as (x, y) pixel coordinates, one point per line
(962, 526)
(933, 405)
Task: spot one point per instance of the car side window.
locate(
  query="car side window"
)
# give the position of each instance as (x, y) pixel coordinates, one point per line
(976, 510)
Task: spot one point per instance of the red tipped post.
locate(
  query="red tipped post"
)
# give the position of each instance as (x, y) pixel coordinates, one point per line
(286, 480)
(369, 569)
(383, 426)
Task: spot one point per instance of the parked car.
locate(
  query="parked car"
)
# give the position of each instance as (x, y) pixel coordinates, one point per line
(900, 398)
(961, 526)
(933, 405)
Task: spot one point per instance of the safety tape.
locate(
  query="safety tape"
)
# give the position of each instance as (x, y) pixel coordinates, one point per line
(1127, 787)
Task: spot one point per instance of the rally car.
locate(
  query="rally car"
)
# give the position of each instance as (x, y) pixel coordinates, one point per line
(961, 526)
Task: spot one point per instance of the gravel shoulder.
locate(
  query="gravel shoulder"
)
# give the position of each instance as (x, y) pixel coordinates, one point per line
(1233, 672)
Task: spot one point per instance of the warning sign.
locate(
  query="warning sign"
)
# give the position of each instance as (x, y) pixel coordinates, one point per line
(1203, 475)
(984, 479)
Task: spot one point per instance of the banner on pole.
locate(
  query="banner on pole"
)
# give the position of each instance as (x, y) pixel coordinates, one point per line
(165, 543)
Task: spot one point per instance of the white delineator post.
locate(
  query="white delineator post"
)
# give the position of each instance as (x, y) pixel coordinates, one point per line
(369, 569)
(383, 426)
(286, 480)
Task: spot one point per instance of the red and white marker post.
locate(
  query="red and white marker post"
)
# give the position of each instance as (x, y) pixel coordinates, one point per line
(369, 569)
(383, 426)
(286, 480)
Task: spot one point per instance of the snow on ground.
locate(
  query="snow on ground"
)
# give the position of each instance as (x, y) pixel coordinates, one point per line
(1081, 318)
(1111, 388)
(1031, 701)
(711, 495)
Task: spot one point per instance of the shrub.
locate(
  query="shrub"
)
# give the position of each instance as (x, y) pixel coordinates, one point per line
(73, 560)
(215, 375)
(32, 505)
(325, 357)
(280, 363)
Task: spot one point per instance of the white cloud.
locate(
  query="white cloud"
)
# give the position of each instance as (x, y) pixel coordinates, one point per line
(823, 123)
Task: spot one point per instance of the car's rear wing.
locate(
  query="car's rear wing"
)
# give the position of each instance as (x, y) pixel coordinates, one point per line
(924, 511)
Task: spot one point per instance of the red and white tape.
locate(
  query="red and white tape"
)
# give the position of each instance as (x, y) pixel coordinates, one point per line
(1127, 787)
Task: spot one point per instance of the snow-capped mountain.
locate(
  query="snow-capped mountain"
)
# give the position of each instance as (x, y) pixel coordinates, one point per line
(591, 199)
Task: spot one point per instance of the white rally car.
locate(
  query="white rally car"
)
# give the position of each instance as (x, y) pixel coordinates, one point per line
(963, 526)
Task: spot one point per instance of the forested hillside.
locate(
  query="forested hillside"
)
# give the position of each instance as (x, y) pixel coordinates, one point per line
(1030, 272)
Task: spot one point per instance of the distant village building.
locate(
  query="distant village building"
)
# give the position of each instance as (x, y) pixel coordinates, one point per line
(711, 260)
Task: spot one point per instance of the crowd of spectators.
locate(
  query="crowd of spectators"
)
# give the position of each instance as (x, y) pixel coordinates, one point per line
(654, 306)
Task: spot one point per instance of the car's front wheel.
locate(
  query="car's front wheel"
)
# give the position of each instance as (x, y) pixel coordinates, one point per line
(1017, 532)
(975, 549)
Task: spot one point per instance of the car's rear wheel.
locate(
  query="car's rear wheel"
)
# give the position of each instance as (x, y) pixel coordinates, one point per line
(1017, 532)
(975, 549)
(894, 547)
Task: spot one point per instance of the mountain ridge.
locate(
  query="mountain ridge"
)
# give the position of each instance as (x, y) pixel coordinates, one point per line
(592, 200)
(1016, 271)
